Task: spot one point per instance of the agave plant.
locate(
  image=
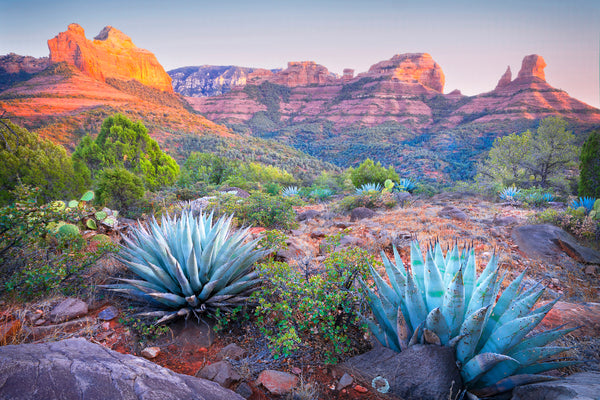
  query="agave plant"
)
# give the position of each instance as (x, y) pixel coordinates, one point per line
(290, 191)
(441, 300)
(510, 193)
(585, 202)
(369, 187)
(188, 265)
(407, 184)
(321, 193)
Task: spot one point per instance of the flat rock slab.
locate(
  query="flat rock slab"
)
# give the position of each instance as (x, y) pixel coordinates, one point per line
(192, 333)
(420, 372)
(77, 369)
(68, 309)
(579, 386)
(585, 316)
(546, 241)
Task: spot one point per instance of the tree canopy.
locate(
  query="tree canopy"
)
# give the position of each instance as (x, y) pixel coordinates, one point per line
(122, 143)
(589, 169)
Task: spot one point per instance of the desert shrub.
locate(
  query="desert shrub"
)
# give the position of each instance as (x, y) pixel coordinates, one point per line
(122, 143)
(372, 200)
(589, 167)
(298, 309)
(26, 158)
(34, 259)
(369, 172)
(260, 209)
(119, 189)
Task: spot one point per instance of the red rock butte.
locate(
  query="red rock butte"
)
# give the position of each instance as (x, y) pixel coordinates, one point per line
(411, 68)
(111, 54)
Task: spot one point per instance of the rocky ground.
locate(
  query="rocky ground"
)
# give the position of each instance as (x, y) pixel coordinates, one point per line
(240, 359)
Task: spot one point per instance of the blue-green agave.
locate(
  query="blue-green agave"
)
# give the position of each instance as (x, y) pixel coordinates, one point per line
(189, 266)
(407, 185)
(441, 300)
(369, 187)
(510, 193)
(290, 191)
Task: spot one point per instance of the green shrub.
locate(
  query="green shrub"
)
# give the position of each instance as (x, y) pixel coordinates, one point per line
(119, 189)
(305, 308)
(260, 209)
(372, 200)
(122, 143)
(589, 167)
(369, 172)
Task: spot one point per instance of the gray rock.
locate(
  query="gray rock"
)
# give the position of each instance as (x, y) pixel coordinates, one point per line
(236, 192)
(507, 220)
(244, 390)
(546, 241)
(68, 309)
(77, 369)
(579, 386)
(277, 382)
(361, 213)
(308, 215)
(108, 313)
(420, 372)
(231, 351)
(193, 334)
(453, 212)
(221, 372)
(345, 381)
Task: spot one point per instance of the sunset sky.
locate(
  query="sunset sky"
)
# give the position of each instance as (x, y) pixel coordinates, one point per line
(473, 41)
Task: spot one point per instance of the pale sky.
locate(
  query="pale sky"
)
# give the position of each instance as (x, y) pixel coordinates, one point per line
(473, 41)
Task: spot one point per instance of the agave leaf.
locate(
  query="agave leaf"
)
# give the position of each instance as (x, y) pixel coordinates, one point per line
(545, 308)
(403, 330)
(480, 364)
(490, 269)
(434, 286)
(430, 337)
(384, 289)
(470, 275)
(511, 382)
(207, 290)
(169, 299)
(482, 295)
(439, 258)
(436, 323)
(379, 313)
(418, 268)
(506, 336)
(532, 355)
(144, 286)
(192, 301)
(176, 271)
(541, 339)
(521, 307)
(452, 265)
(153, 274)
(416, 334)
(191, 269)
(417, 312)
(503, 303)
(453, 305)
(398, 261)
(547, 366)
(471, 331)
(395, 275)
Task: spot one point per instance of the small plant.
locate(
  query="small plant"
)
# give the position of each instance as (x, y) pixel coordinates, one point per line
(368, 188)
(510, 193)
(189, 266)
(407, 185)
(321, 194)
(441, 300)
(586, 202)
(145, 329)
(290, 191)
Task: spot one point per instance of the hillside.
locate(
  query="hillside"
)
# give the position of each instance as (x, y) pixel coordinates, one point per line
(396, 112)
(69, 94)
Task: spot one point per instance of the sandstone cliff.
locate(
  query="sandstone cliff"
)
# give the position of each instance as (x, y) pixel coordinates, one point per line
(111, 54)
(411, 68)
(15, 68)
(299, 73)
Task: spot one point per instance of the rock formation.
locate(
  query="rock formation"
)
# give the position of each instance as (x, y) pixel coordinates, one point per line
(208, 80)
(348, 74)
(505, 79)
(533, 67)
(15, 68)
(302, 73)
(111, 54)
(411, 68)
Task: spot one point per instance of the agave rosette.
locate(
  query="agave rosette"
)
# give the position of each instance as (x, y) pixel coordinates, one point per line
(188, 265)
(369, 187)
(442, 300)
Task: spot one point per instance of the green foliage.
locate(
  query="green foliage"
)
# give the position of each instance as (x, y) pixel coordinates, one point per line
(541, 158)
(260, 209)
(442, 300)
(589, 175)
(122, 143)
(372, 200)
(189, 266)
(320, 310)
(119, 189)
(145, 329)
(35, 263)
(27, 159)
(369, 172)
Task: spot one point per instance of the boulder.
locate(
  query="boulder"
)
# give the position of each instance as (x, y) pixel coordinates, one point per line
(308, 215)
(361, 213)
(453, 213)
(108, 313)
(236, 192)
(231, 351)
(584, 316)
(579, 386)
(420, 372)
(277, 382)
(546, 241)
(77, 369)
(221, 372)
(68, 309)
